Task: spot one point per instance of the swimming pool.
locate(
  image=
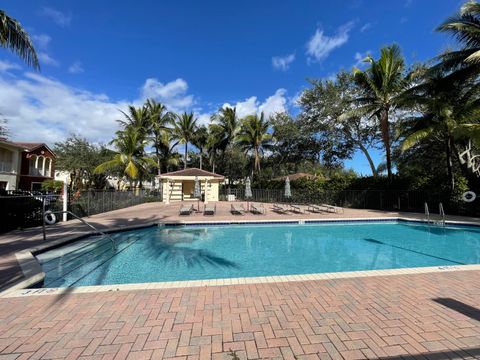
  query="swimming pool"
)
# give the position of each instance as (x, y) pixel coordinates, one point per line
(174, 253)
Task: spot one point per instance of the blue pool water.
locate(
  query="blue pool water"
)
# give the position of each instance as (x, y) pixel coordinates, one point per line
(212, 252)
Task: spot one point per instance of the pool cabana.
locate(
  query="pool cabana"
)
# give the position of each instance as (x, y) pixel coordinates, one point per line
(180, 185)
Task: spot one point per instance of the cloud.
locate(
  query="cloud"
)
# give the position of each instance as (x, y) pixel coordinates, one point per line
(46, 59)
(273, 104)
(7, 65)
(57, 16)
(76, 68)
(365, 27)
(320, 45)
(173, 93)
(282, 62)
(41, 41)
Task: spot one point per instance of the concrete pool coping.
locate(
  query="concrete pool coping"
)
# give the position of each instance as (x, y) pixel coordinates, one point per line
(35, 276)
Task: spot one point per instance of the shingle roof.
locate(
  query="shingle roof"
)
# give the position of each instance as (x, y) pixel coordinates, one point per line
(192, 172)
(28, 146)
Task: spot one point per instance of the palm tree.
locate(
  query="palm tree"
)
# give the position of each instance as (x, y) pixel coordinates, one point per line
(159, 120)
(463, 26)
(380, 87)
(184, 130)
(200, 140)
(225, 125)
(138, 118)
(130, 154)
(254, 138)
(450, 110)
(15, 38)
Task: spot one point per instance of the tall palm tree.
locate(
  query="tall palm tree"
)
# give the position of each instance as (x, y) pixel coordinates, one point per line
(159, 121)
(138, 118)
(254, 138)
(130, 154)
(225, 124)
(450, 112)
(184, 130)
(200, 140)
(15, 38)
(380, 87)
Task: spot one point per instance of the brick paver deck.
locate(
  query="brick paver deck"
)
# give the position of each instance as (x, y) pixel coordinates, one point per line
(425, 316)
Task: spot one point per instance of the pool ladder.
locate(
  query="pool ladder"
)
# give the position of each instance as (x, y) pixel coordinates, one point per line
(97, 231)
(441, 212)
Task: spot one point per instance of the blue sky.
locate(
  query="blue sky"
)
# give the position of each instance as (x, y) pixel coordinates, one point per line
(98, 56)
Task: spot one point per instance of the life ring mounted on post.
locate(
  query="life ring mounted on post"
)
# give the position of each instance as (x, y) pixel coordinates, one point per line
(469, 196)
(50, 218)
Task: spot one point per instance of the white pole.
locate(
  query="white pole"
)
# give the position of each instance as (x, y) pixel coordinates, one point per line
(65, 199)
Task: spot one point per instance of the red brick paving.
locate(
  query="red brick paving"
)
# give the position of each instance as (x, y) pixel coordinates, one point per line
(392, 317)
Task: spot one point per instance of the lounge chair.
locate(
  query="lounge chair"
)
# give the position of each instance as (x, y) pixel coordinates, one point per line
(315, 208)
(237, 209)
(280, 209)
(295, 208)
(186, 209)
(209, 209)
(257, 209)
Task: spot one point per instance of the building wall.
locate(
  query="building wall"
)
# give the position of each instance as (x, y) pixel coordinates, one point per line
(26, 179)
(11, 175)
(174, 191)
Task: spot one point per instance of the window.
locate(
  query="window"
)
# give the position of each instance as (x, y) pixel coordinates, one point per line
(36, 186)
(3, 185)
(6, 160)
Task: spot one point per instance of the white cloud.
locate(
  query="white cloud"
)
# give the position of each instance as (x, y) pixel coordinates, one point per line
(46, 59)
(76, 68)
(321, 45)
(365, 27)
(57, 16)
(7, 65)
(173, 93)
(273, 104)
(41, 40)
(282, 62)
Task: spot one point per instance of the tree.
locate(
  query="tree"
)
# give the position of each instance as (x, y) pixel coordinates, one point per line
(322, 108)
(380, 87)
(130, 156)
(137, 118)
(254, 138)
(184, 130)
(16, 39)
(159, 120)
(79, 157)
(450, 110)
(225, 125)
(200, 141)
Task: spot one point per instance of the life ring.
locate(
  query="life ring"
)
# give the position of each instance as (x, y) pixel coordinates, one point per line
(469, 196)
(50, 218)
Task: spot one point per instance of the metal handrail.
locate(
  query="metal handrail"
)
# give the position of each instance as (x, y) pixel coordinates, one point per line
(427, 213)
(78, 218)
(441, 213)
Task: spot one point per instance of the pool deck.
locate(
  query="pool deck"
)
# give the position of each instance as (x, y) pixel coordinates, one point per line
(419, 316)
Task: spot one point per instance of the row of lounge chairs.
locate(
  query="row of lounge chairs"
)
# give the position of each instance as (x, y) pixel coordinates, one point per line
(239, 209)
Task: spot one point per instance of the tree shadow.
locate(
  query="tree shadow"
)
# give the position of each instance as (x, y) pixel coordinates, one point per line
(437, 355)
(458, 306)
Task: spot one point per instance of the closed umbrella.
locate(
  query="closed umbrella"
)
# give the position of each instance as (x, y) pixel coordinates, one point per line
(288, 192)
(197, 193)
(248, 191)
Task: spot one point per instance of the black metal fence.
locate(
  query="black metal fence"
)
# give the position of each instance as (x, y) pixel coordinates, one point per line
(360, 199)
(20, 210)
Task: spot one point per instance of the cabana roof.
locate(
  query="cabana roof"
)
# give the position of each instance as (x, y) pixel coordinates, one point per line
(191, 172)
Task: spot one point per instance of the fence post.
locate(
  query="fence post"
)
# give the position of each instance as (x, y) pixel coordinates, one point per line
(65, 200)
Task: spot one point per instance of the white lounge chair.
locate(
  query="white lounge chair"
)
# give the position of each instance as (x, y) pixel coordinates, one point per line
(209, 209)
(280, 209)
(295, 208)
(257, 209)
(186, 209)
(237, 209)
(315, 208)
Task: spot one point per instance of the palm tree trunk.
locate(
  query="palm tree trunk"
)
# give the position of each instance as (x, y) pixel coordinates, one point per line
(201, 158)
(157, 154)
(185, 160)
(369, 158)
(386, 141)
(257, 160)
(451, 178)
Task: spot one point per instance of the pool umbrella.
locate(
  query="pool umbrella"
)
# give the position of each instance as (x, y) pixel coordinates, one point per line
(248, 191)
(288, 192)
(197, 193)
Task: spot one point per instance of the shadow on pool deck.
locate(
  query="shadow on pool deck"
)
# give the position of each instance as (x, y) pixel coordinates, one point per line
(458, 306)
(466, 353)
